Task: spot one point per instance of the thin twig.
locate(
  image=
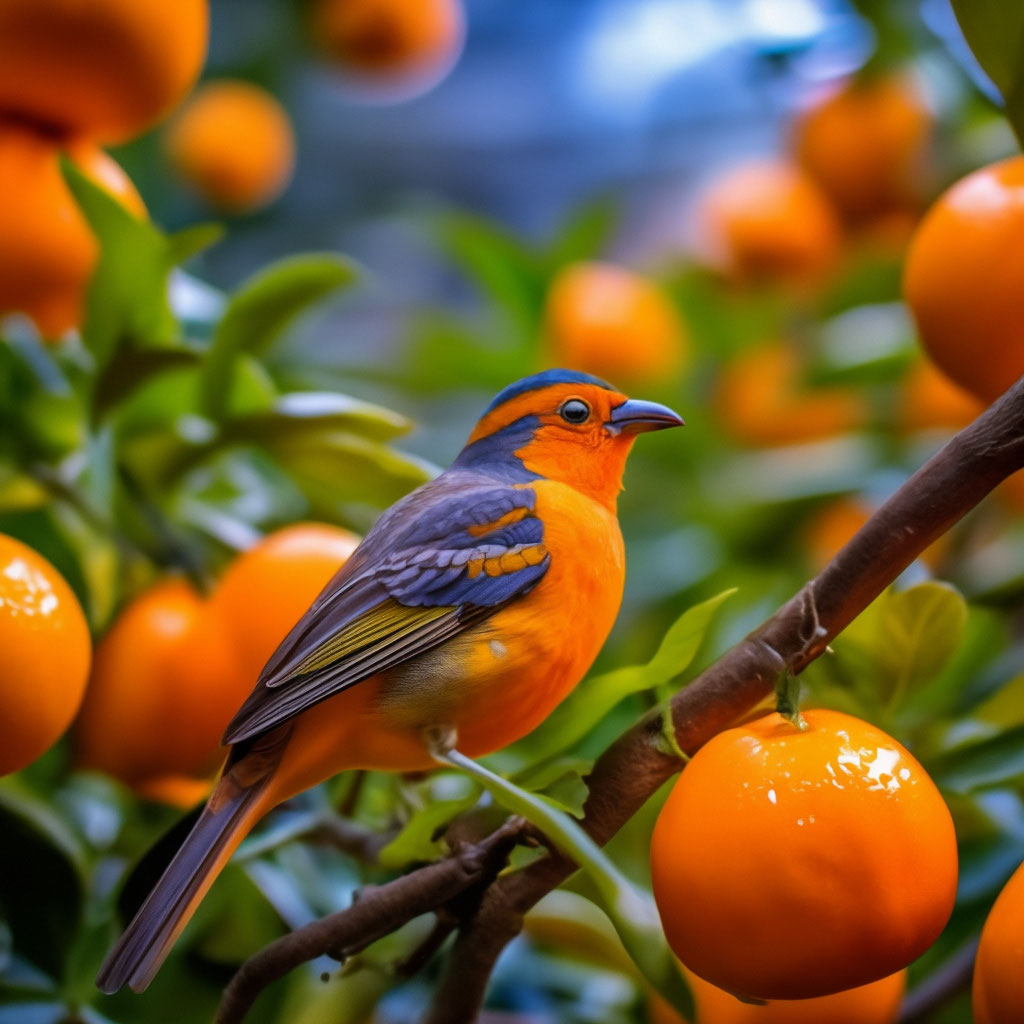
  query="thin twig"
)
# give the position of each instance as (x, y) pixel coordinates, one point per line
(379, 911)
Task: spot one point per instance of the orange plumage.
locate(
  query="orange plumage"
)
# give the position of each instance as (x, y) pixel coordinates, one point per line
(466, 615)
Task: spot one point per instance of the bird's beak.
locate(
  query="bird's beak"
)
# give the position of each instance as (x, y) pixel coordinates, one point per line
(637, 417)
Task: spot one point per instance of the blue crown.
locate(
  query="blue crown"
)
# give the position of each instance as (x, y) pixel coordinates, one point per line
(543, 380)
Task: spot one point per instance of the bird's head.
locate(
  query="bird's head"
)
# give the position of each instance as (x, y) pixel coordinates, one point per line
(562, 425)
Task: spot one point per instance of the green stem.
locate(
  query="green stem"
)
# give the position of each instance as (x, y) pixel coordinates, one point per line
(631, 911)
(787, 698)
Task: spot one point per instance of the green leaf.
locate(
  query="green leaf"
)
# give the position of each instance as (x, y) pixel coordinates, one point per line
(630, 909)
(683, 639)
(97, 559)
(41, 879)
(560, 780)
(596, 696)
(135, 367)
(98, 478)
(261, 309)
(499, 264)
(587, 231)
(19, 491)
(127, 300)
(303, 413)
(191, 241)
(444, 351)
(994, 30)
(419, 840)
(900, 642)
(40, 414)
(995, 761)
(336, 468)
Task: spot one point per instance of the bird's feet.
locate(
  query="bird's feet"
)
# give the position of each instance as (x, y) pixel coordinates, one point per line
(440, 742)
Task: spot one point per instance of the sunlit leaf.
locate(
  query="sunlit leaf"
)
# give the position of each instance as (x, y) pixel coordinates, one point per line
(419, 839)
(127, 301)
(301, 413)
(559, 780)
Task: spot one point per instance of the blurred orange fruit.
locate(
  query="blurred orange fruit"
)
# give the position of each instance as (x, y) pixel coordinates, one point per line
(265, 591)
(759, 400)
(46, 652)
(181, 791)
(834, 524)
(164, 687)
(390, 38)
(964, 279)
(998, 990)
(792, 863)
(612, 322)
(107, 69)
(47, 252)
(865, 145)
(233, 143)
(1011, 492)
(930, 400)
(875, 1003)
(767, 221)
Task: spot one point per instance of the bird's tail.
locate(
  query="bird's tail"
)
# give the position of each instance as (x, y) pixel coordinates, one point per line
(227, 818)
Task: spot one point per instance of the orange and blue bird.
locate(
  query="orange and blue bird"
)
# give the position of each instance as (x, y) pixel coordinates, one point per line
(468, 612)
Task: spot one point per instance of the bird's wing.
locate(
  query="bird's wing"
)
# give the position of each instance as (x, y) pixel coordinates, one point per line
(437, 563)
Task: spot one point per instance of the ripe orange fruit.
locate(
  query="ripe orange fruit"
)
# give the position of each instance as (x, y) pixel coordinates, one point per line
(105, 68)
(998, 990)
(164, 686)
(865, 145)
(612, 322)
(233, 143)
(875, 1003)
(265, 591)
(930, 400)
(760, 400)
(47, 252)
(390, 39)
(964, 279)
(46, 651)
(766, 221)
(793, 863)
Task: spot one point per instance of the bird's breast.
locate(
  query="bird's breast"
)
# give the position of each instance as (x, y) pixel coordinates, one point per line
(495, 682)
(508, 674)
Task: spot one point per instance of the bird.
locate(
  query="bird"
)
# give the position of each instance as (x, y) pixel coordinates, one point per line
(468, 612)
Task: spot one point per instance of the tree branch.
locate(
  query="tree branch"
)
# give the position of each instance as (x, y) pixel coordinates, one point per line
(945, 489)
(377, 912)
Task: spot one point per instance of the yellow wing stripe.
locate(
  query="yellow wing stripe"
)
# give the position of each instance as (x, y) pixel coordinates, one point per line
(388, 621)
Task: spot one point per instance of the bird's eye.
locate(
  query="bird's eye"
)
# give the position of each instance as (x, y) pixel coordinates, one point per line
(574, 410)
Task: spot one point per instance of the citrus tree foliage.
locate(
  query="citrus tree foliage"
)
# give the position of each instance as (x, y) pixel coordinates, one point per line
(167, 442)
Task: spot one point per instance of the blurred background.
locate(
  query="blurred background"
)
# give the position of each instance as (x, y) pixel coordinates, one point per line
(698, 144)
(708, 202)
